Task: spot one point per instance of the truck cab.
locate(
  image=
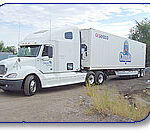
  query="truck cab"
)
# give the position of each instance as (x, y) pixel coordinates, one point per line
(45, 59)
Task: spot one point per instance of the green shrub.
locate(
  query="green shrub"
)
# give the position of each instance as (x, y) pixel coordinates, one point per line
(110, 101)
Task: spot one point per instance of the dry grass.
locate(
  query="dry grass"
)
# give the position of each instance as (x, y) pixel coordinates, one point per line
(110, 101)
(148, 95)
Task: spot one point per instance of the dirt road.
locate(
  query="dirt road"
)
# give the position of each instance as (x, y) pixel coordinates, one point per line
(60, 104)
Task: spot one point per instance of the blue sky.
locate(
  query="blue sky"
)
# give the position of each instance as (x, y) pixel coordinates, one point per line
(115, 19)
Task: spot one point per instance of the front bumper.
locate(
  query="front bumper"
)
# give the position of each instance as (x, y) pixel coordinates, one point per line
(12, 85)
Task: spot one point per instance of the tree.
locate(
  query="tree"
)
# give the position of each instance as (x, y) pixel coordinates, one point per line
(141, 32)
(1, 45)
(11, 49)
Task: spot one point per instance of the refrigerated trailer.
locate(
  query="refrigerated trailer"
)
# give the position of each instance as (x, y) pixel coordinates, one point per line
(64, 56)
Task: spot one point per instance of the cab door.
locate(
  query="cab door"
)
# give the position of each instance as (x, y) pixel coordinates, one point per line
(46, 61)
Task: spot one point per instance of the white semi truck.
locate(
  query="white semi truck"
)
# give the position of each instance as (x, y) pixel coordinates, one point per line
(70, 55)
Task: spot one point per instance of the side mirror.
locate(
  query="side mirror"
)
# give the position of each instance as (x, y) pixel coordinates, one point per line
(50, 52)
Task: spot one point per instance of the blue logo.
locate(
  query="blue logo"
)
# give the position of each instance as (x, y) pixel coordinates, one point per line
(125, 56)
(50, 62)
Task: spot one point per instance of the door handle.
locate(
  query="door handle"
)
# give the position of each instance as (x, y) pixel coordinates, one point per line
(45, 59)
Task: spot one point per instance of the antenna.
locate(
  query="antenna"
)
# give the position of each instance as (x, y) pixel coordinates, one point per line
(19, 31)
(50, 29)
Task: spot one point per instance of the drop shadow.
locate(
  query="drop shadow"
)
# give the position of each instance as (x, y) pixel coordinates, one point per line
(61, 88)
(12, 94)
(44, 90)
(123, 78)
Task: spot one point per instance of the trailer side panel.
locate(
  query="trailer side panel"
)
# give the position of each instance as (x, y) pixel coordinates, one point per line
(107, 51)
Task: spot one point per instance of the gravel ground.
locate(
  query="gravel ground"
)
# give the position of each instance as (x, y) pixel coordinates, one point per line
(62, 104)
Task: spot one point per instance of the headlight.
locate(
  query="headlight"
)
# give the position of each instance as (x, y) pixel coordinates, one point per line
(3, 69)
(12, 75)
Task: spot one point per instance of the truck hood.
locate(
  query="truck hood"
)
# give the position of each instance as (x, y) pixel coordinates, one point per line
(15, 63)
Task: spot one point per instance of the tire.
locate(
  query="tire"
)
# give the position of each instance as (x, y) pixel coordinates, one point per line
(100, 77)
(139, 74)
(30, 85)
(90, 78)
(142, 73)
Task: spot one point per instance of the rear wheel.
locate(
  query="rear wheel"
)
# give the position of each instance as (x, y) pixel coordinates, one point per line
(90, 78)
(142, 72)
(100, 77)
(30, 85)
(139, 74)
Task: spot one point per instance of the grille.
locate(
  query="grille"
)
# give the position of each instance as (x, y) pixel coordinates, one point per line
(2, 69)
(2, 84)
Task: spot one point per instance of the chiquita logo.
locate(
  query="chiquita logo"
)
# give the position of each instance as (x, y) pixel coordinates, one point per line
(125, 56)
(97, 35)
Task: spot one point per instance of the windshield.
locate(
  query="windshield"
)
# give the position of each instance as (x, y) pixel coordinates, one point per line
(29, 51)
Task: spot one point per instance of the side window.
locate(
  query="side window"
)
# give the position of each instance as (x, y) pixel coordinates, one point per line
(50, 52)
(45, 51)
(83, 51)
(68, 35)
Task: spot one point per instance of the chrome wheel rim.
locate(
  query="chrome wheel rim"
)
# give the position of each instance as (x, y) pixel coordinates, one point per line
(138, 74)
(100, 78)
(142, 73)
(91, 79)
(33, 86)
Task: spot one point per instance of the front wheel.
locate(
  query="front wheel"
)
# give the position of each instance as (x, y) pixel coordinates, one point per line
(30, 85)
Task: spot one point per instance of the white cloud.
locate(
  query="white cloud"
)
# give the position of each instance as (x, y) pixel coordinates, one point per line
(39, 16)
(83, 16)
(69, 9)
(136, 9)
(37, 8)
(35, 15)
(121, 29)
